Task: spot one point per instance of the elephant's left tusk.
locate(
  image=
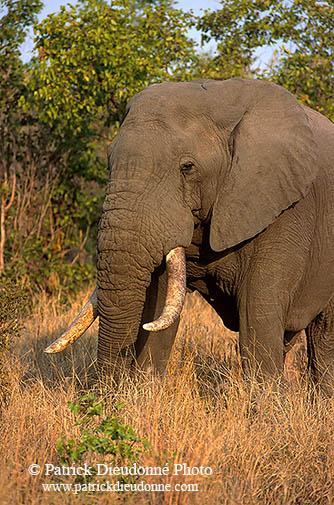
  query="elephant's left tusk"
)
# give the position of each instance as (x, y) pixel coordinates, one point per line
(80, 324)
(176, 291)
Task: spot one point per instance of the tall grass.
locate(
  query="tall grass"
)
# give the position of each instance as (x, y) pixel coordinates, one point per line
(264, 446)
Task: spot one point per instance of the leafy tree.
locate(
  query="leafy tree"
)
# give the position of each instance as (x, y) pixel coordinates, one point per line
(58, 112)
(94, 56)
(91, 58)
(239, 28)
(16, 17)
(37, 231)
(302, 31)
(306, 64)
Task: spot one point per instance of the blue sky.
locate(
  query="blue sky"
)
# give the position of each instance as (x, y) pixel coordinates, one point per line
(54, 5)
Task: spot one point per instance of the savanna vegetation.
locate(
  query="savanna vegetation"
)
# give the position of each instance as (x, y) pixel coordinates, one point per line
(58, 113)
(263, 447)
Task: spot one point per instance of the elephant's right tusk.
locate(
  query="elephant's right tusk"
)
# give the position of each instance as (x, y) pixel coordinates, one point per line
(176, 291)
(80, 324)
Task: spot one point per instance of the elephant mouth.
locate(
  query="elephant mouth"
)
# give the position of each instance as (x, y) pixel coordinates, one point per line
(176, 290)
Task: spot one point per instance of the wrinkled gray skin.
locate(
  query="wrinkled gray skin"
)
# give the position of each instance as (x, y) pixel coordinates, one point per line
(242, 175)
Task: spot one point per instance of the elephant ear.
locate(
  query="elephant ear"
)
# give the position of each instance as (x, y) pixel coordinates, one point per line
(273, 159)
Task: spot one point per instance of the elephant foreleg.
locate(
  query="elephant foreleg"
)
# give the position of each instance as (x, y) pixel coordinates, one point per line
(261, 341)
(320, 348)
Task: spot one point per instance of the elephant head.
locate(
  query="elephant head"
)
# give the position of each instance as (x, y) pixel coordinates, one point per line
(233, 154)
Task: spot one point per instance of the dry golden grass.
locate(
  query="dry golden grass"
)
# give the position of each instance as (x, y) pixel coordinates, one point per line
(264, 446)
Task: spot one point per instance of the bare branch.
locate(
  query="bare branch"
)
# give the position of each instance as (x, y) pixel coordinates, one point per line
(12, 196)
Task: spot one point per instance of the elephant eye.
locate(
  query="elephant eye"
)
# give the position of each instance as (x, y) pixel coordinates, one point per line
(186, 168)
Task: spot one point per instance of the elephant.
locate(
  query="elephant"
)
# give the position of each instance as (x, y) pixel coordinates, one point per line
(227, 188)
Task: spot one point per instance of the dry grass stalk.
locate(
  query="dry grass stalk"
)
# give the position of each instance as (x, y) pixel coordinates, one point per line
(265, 447)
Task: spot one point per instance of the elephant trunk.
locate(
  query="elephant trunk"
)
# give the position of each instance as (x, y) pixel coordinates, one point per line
(136, 232)
(176, 289)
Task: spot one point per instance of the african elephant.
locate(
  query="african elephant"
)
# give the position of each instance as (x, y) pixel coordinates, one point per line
(226, 187)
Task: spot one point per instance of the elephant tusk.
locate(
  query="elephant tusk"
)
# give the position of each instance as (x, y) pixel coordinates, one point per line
(80, 324)
(176, 290)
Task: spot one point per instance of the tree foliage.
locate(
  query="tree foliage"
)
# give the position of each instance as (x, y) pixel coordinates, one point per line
(37, 229)
(94, 56)
(305, 64)
(59, 111)
(300, 31)
(16, 17)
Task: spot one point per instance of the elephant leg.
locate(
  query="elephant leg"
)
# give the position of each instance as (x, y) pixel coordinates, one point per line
(153, 348)
(320, 348)
(261, 341)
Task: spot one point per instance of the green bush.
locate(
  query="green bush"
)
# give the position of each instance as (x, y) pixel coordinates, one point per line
(14, 303)
(101, 434)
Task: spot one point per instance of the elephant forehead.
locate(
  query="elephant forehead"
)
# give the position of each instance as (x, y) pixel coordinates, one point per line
(194, 106)
(143, 142)
(170, 100)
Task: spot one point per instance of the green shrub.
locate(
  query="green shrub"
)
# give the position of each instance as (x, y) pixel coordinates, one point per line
(14, 303)
(101, 434)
